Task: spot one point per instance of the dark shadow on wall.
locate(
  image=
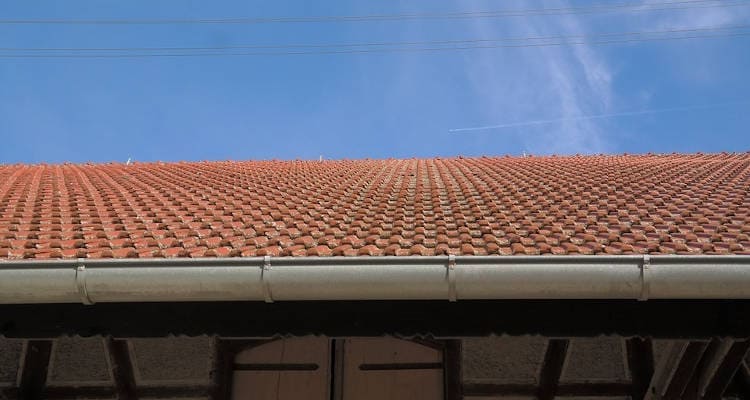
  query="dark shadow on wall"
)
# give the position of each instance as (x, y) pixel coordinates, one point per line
(667, 319)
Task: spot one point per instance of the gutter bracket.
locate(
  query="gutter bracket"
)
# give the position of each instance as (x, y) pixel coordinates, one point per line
(81, 282)
(265, 279)
(451, 275)
(645, 275)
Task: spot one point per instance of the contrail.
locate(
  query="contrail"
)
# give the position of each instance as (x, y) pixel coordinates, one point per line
(598, 116)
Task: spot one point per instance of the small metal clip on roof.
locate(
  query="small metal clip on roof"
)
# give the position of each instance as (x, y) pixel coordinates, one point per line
(265, 278)
(451, 275)
(645, 272)
(81, 282)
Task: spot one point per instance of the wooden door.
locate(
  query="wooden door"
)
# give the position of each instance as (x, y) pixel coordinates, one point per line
(389, 368)
(318, 368)
(284, 369)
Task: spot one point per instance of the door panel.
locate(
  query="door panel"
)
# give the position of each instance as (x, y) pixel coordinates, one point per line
(389, 368)
(365, 368)
(284, 369)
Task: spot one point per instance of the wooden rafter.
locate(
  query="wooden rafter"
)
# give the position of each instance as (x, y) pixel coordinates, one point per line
(35, 368)
(554, 359)
(336, 369)
(122, 368)
(452, 373)
(675, 370)
(742, 379)
(222, 366)
(640, 364)
(720, 367)
(221, 369)
(697, 369)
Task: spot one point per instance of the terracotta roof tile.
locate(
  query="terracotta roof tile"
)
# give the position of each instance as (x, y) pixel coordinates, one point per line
(628, 204)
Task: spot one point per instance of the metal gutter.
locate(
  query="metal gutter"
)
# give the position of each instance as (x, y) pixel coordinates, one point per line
(376, 278)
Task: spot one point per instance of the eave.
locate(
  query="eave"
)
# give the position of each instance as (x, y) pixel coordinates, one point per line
(448, 278)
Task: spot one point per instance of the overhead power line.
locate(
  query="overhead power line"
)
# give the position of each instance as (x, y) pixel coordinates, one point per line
(599, 8)
(381, 44)
(431, 46)
(575, 118)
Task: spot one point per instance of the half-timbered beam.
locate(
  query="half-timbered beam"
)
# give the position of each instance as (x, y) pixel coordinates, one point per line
(122, 368)
(35, 366)
(222, 369)
(675, 370)
(641, 365)
(742, 378)
(336, 369)
(222, 366)
(554, 359)
(452, 369)
(720, 367)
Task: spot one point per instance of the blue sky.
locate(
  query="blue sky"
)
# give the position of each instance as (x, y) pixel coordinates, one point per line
(375, 105)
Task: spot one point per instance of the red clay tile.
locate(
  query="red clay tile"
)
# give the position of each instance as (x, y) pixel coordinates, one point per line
(174, 252)
(295, 251)
(320, 251)
(370, 250)
(248, 251)
(626, 204)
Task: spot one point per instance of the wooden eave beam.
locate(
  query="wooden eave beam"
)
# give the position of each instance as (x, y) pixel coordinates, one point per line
(452, 370)
(554, 359)
(35, 369)
(121, 367)
(640, 354)
(720, 367)
(675, 370)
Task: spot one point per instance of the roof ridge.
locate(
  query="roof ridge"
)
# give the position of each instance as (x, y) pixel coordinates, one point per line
(368, 159)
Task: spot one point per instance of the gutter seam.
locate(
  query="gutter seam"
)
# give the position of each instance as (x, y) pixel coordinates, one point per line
(645, 275)
(265, 279)
(81, 282)
(451, 276)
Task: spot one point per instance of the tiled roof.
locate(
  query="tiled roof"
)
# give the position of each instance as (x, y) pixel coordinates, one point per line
(625, 204)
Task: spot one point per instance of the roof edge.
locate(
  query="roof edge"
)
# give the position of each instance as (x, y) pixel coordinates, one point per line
(436, 157)
(452, 278)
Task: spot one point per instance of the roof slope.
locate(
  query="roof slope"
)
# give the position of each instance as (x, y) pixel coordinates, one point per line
(691, 204)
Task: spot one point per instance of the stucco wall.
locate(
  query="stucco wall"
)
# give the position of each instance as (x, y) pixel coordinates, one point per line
(183, 361)
(76, 361)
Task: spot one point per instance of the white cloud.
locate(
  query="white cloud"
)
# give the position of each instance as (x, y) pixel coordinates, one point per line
(543, 83)
(565, 82)
(690, 18)
(694, 62)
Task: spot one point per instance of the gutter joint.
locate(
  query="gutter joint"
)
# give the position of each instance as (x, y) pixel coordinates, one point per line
(645, 275)
(265, 279)
(81, 282)
(451, 276)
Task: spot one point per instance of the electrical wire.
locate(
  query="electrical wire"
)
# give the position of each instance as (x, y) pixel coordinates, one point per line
(385, 50)
(595, 116)
(599, 8)
(376, 44)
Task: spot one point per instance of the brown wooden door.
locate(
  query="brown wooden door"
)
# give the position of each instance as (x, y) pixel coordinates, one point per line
(284, 369)
(309, 368)
(389, 368)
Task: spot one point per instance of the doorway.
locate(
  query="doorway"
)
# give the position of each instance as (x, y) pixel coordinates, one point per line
(321, 368)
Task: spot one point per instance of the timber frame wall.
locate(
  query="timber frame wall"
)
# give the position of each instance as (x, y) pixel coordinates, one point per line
(690, 369)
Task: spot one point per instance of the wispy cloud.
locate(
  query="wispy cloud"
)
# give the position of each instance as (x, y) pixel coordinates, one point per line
(540, 83)
(688, 18)
(593, 117)
(683, 61)
(568, 93)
